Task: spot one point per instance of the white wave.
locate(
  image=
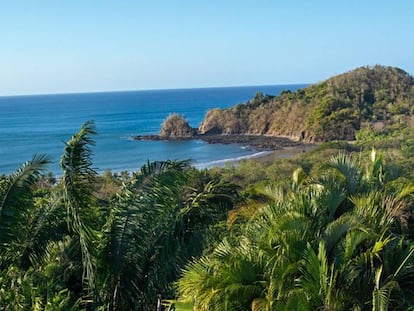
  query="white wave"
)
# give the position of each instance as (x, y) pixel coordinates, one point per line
(222, 162)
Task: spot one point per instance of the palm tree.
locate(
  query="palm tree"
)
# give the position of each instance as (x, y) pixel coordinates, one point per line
(16, 205)
(65, 248)
(157, 223)
(18, 219)
(334, 241)
(134, 234)
(77, 184)
(37, 246)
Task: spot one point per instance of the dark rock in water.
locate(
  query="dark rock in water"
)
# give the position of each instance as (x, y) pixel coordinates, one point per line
(257, 142)
(176, 126)
(161, 138)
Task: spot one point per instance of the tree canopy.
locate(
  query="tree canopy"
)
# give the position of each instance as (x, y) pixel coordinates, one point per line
(337, 234)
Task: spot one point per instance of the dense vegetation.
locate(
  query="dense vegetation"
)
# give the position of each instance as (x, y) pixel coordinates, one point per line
(103, 243)
(378, 97)
(341, 239)
(330, 229)
(336, 235)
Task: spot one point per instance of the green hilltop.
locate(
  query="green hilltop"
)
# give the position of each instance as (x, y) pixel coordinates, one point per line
(335, 109)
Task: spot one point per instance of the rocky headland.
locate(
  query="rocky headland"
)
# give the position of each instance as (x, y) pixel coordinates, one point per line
(376, 98)
(176, 127)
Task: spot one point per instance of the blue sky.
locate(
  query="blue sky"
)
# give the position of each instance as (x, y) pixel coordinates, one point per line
(50, 46)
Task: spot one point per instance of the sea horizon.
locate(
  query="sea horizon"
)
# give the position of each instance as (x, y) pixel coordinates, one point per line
(154, 90)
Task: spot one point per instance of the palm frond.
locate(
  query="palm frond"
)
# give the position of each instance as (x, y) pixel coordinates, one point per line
(375, 174)
(76, 162)
(347, 170)
(337, 229)
(46, 224)
(145, 236)
(381, 293)
(14, 198)
(315, 273)
(78, 180)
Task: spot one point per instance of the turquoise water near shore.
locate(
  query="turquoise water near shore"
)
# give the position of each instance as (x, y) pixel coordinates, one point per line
(42, 123)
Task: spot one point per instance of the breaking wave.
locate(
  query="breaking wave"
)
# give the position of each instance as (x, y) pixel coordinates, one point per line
(223, 162)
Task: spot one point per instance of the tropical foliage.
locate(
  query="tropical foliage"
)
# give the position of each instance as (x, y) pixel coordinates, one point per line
(339, 240)
(336, 235)
(65, 247)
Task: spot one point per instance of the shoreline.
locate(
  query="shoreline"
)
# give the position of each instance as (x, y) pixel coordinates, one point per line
(267, 148)
(287, 152)
(230, 161)
(261, 156)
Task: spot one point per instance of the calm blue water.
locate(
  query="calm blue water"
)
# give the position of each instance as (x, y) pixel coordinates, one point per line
(42, 123)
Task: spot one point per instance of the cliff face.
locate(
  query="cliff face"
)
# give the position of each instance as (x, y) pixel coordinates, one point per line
(333, 109)
(176, 126)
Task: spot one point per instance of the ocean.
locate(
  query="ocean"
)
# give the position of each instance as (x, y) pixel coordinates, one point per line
(40, 124)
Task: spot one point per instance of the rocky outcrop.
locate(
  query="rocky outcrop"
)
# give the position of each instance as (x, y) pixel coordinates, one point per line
(335, 109)
(217, 122)
(176, 126)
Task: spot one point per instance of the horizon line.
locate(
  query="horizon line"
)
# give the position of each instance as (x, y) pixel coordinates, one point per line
(147, 90)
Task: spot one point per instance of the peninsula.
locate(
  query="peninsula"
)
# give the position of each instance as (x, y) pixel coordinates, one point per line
(176, 127)
(377, 98)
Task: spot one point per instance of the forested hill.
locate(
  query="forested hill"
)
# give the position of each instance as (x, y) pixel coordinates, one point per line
(336, 108)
